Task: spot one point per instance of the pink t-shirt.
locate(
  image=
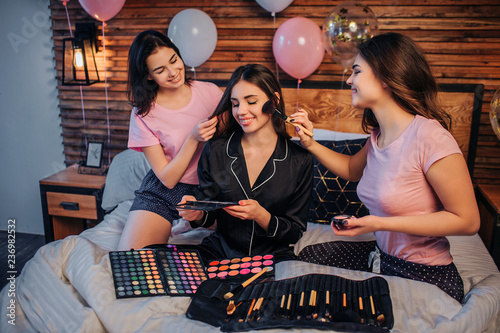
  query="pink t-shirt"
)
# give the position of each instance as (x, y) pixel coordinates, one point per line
(394, 184)
(170, 128)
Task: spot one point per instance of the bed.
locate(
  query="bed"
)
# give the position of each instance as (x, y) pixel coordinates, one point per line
(68, 287)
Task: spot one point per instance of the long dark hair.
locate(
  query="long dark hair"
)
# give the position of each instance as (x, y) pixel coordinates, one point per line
(142, 92)
(398, 62)
(266, 81)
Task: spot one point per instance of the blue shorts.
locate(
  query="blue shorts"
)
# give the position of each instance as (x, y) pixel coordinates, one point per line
(155, 197)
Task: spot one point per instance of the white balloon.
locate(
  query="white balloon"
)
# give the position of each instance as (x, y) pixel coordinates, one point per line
(274, 6)
(195, 34)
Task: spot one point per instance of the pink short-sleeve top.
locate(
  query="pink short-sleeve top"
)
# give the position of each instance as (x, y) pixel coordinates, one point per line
(170, 128)
(394, 184)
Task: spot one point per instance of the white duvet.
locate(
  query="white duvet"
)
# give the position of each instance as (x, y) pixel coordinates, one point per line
(68, 287)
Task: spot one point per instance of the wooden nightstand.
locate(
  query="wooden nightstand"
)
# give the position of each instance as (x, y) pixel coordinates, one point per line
(70, 201)
(488, 201)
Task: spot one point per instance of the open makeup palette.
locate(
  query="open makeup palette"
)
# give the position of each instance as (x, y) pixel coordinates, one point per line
(241, 267)
(153, 272)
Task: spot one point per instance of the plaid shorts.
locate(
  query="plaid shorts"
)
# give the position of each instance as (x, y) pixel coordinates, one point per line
(155, 197)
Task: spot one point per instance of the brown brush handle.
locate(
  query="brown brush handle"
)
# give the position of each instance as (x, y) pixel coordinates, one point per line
(244, 284)
(308, 132)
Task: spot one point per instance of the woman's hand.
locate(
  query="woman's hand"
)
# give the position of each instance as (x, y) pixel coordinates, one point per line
(358, 226)
(245, 210)
(189, 214)
(300, 117)
(204, 130)
(250, 210)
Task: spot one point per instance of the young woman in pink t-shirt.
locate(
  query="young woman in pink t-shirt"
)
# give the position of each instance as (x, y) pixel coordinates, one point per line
(413, 177)
(169, 124)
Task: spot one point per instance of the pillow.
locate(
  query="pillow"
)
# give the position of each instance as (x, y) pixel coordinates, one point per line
(327, 135)
(333, 195)
(125, 175)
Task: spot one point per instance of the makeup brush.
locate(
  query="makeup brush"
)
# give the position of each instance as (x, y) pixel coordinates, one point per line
(250, 309)
(270, 107)
(282, 306)
(230, 294)
(378, 290)
(256, 309)
(301, 304)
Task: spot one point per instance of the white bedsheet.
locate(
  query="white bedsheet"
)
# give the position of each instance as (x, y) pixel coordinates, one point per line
(68, 287)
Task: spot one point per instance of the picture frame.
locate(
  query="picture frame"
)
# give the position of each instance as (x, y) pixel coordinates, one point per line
(94, 154)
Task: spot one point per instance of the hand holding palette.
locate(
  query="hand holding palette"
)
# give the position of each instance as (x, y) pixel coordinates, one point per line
(241, 267)
(149, 272)
(205, 205)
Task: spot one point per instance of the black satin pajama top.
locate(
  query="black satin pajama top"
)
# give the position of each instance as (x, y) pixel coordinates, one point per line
(283, 188)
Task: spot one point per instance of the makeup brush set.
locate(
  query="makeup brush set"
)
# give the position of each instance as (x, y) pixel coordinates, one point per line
(309, 301)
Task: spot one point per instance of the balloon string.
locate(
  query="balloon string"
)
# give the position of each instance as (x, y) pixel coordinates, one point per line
(340, 98)
(67, 16)
(83, 113)
(81, 90)
(194, 72)
(299, 81)
(106, 91)
(275, 61)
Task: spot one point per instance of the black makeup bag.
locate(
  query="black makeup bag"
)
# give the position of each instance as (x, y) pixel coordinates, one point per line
(310, 301)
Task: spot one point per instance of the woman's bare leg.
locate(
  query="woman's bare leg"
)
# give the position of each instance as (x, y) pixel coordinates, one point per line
(144, 228)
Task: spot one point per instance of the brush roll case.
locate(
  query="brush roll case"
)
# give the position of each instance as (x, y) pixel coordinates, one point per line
(352, 306)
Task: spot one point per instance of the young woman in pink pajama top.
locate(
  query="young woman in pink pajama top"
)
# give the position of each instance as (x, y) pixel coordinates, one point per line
(412, 175)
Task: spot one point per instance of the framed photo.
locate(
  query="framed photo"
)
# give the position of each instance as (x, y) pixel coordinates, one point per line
(94, 154)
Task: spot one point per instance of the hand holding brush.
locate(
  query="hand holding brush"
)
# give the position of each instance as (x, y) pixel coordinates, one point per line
(270, 108)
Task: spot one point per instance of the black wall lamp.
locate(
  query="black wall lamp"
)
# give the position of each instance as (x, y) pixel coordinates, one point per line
(79, 65)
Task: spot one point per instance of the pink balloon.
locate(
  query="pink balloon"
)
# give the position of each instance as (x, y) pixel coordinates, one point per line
(298, 47)
(102, 10)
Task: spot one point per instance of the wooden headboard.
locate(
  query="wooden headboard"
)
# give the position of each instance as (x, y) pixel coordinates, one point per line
(329, 107)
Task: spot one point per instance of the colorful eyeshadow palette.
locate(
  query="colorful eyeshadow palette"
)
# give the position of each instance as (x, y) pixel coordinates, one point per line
(241, 267)
(136, 274)
(183, 271)
(149, 272)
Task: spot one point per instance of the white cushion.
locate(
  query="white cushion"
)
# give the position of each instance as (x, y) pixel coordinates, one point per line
(125, 176)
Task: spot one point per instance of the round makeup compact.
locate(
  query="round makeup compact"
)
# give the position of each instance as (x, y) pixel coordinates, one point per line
(339, 222)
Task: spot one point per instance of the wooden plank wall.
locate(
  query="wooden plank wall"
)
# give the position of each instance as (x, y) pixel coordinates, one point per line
(461, 39)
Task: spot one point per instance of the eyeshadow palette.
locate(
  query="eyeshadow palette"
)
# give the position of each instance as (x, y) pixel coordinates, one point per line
(149, 272)
(135, 273)
(241, 267)
(183, 271)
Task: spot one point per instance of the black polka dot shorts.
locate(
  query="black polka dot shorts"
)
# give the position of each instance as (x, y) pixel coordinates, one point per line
(445, 277)
(349, 255)
(354, 255)
(155, 197)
